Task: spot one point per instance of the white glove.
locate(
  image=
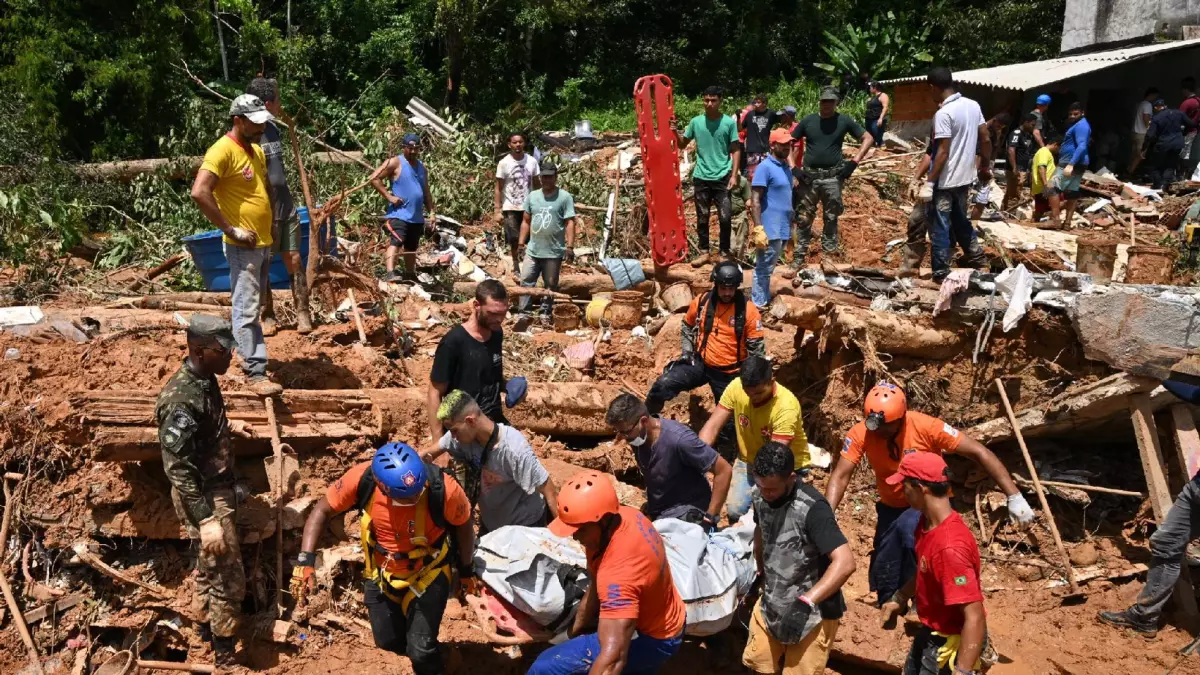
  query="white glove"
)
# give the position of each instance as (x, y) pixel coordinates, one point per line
(243, 236)
(1018, 509)
(926, 192)
(1069, 170)
(212, 536)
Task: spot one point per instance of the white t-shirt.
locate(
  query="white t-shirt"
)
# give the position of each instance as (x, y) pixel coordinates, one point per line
(958, 120)
(1140, 125)
(510, 480)
(517, 177)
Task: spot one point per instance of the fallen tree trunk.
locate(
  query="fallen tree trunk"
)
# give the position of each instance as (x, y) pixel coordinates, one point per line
(181, 167)
(122, 427)
(887, 332)
(468, 288)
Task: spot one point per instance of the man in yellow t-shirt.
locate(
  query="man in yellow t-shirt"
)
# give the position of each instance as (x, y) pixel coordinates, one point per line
(763, 410)
(233, 192)
(1045, 194)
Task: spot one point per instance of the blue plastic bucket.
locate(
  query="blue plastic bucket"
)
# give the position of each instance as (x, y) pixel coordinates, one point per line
(209, 254)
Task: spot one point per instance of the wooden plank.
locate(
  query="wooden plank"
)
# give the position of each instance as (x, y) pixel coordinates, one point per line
(61, 605)
(1142, 416)
(1187, 441)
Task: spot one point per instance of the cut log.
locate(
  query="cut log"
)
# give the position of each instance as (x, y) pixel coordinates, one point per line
(122, 426)
(179, 168)
(802, 312)
(889, 333)
(468, 288)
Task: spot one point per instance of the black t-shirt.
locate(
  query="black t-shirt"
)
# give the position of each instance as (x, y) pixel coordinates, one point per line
(462, 362)
(1023, 144)
(823, 138)
(758, 127)
(823, 531)
(283, 207)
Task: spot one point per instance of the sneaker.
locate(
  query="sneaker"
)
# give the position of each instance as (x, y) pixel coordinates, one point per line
(1127, 619)
(259, 384)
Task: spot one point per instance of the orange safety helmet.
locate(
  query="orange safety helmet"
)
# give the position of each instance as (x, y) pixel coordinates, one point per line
(586, 498)
(885, 403)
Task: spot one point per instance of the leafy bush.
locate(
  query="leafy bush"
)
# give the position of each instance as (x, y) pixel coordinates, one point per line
(888, 49)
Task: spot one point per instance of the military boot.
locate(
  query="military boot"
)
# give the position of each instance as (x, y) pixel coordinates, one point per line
(300, 298)
(225, 654)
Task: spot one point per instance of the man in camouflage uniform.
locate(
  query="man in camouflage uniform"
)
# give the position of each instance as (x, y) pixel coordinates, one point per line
(194, 434)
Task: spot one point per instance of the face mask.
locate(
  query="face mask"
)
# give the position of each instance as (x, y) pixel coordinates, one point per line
(637, 442)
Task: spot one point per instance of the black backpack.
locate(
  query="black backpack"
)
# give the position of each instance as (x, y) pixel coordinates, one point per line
(739, 320)
(437, 493)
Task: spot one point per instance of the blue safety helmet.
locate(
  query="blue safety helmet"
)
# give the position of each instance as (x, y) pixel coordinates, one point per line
(398, 470)
(1043, 99)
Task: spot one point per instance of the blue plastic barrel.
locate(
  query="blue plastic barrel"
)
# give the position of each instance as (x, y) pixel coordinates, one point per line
(209, 254)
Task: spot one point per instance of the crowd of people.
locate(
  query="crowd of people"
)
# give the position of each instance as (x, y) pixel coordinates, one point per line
(749, 460)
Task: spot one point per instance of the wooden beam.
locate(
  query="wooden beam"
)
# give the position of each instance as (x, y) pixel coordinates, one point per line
(1187, 441)
(1142, 416)
(61, 605)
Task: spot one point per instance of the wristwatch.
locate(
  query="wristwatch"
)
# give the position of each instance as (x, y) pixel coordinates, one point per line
(963, 671)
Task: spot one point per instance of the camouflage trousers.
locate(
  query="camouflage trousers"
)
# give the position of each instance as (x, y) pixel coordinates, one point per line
(220, 579)
(828, 193)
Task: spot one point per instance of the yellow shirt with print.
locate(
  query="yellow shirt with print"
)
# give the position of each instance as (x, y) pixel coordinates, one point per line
(1042, 159)
(778, 417)
(241, 192)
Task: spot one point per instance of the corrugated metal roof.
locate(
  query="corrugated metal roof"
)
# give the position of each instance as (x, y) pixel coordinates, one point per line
(1025, 76)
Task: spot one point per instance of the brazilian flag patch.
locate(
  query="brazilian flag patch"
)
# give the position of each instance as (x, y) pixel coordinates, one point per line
(960, 581)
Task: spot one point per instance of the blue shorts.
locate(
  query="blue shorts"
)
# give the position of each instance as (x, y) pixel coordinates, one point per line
(576, 656)
(1069, 187)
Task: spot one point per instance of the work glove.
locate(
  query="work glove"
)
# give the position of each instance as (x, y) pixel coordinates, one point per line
(303, 582)
(926, 192)
(212, 536)
(468, 582)
(569, 255)
(1069, 170)
(709, 523)
(848, 168)
(243, 236)
(1019, 511)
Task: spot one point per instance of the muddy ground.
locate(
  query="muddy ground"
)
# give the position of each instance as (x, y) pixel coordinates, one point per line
(67, 497)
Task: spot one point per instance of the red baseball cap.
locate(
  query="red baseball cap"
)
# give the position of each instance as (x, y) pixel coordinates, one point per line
(781, 136)
(926, 466)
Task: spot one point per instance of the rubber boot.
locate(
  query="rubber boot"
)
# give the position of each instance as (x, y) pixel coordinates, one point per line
(913, 255)
(269, 326)
(974, 256)
(225, 652)
(300, 299)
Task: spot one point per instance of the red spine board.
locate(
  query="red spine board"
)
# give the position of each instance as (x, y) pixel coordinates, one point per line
(654, 100)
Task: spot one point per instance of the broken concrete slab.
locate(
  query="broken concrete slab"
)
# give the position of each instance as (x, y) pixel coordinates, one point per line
(1142, 330)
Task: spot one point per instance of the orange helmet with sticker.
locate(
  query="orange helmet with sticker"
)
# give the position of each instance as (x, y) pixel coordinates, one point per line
(586, 498)
(885, 403)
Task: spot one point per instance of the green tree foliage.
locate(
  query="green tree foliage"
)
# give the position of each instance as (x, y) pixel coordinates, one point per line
(893, 48)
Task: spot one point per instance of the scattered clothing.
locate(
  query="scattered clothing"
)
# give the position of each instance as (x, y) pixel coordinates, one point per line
(778, 419)
(517, 176)
(955, 282)
(511, 478)
(462, 362)
(241, 191)
(409, 186)
(674, 469)
(958, 120)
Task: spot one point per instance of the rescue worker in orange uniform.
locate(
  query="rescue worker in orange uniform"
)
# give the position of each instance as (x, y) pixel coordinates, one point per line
(889, 431)
(631, 587)
(415, 518)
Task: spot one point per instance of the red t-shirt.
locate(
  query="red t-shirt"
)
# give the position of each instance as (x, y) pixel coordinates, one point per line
(1191, 108)
(393, 524)
(633, 579)
(947, 574)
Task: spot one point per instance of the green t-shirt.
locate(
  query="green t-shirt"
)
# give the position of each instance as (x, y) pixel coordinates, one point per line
(712, 137)
(823, 138)
(547, 222)
(740, 196)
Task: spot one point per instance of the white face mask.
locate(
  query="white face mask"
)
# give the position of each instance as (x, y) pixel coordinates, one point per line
(637, 442)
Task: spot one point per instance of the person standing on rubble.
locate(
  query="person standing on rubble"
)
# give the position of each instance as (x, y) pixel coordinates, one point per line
(1164, 143)
(825, 171)
(1046, 198)
(548, 228)
(961, 134)
(631, 618)
(1043, 128)
(803, 561)
(673, 461)
(198, 461)
(763, 410)
(1073, 161)
(1190, 107)
(946, 585)
(415, 531)
(875, 115)
(720, 330)
(233, 192)
(471, 358)
(718, 158)
(504, 478)
(889, 431)
(410, 209)
(771, 209)
(758, 123)
(1020, 158)
(285, 227)
(1141, 124)
(516, 177)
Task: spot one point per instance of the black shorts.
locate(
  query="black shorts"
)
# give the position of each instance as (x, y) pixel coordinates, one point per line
(512, 227)
(403, 233)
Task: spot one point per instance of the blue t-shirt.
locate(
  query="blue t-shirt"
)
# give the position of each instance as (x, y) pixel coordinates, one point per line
(547, 222)
(409, 186)
(1074, 149)
(674, 469)
(776, 177)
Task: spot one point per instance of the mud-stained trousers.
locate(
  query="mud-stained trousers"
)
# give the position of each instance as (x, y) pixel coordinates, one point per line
(220, 579)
